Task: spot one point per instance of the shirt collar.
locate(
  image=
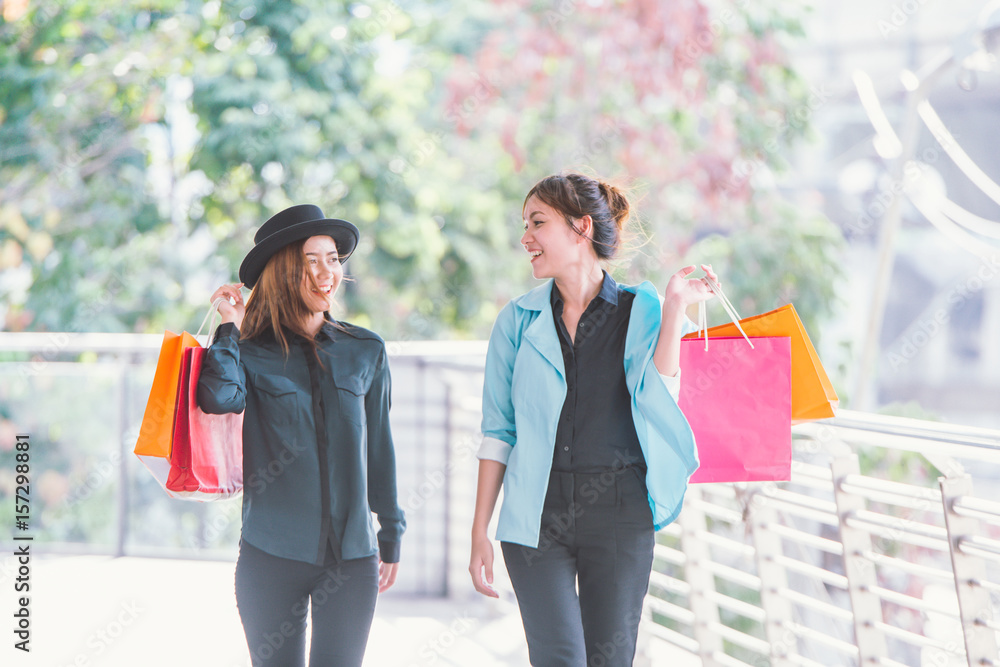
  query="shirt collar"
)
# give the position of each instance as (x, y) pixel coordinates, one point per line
(328, 328)
(609, 291)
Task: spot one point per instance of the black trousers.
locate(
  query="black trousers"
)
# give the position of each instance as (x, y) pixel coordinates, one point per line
(273, 596)
(580, 592)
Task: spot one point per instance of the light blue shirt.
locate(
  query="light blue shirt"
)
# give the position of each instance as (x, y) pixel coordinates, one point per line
(523, 394)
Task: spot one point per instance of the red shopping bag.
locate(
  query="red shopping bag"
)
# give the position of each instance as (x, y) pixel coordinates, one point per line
(206, 459)
(738, 402)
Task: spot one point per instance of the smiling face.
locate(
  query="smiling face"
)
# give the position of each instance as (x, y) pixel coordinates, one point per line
(323, 275)
(551, 243)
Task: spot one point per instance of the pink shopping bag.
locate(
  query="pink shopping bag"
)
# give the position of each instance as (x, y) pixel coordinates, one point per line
(206, 459)
(737, 400)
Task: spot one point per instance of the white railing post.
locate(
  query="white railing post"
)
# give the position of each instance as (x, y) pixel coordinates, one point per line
(700, 578)
(973, 600)
(860, 571)
(773, 579)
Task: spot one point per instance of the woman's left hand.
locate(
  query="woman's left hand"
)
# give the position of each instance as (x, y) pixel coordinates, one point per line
(386, 575)
(682, 292)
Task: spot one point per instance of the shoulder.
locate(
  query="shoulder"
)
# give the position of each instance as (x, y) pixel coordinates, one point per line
(525, 308)
(355, 332)
(646, 298)
(534, 299)
(365, 345)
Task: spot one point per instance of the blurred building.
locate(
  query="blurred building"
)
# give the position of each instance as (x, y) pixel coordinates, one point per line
(939, 342)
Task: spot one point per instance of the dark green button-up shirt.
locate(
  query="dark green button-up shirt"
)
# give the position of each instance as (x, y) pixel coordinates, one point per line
(318, 456)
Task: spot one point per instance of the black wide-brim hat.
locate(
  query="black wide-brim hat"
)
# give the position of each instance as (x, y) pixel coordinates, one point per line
(295, 224)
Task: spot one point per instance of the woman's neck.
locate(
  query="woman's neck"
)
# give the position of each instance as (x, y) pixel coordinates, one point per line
(579, 287)
(313, 323)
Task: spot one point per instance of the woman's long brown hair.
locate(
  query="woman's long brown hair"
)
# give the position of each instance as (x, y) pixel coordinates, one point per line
(276, 305)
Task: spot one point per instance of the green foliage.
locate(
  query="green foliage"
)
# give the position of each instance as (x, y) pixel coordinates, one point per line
(777, 258)
(141, 145)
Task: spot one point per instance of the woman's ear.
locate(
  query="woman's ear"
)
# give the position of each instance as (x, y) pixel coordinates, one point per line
(585, 227)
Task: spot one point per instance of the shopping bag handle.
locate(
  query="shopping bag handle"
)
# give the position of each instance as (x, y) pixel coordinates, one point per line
(726, 304)
(212, 312)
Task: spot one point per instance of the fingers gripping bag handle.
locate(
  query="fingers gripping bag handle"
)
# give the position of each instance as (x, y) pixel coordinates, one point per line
(210, 317)
(727, 305)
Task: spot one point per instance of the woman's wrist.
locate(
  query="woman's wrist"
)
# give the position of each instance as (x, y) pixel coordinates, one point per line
(231, 318)
(674, 312)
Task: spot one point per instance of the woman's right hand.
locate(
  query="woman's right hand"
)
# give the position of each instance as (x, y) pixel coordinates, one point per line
(231, 307)
(482, 560)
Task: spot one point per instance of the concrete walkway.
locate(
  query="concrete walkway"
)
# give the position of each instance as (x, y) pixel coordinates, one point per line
(90, 611)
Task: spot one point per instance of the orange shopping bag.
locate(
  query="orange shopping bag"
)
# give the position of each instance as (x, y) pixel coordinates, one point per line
(813, 396)
(158, 420)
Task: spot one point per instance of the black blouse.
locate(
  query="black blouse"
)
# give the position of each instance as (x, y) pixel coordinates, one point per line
(596, 431)
(318, 455)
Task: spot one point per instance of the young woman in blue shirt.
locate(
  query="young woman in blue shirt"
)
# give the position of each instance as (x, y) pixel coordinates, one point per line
(582, 430)
(318, 456)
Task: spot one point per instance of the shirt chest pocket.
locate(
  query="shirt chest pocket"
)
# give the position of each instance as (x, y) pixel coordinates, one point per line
(351, 390)
(278, 399)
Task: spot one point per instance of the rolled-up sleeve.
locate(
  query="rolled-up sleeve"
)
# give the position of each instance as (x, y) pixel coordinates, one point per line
(672, 383)
(382, 464)
(222, 384)
(499, 432)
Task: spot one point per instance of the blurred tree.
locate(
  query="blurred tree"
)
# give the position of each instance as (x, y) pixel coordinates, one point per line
(329, 104)
(141, 145)
(79, 84)
(697, 102)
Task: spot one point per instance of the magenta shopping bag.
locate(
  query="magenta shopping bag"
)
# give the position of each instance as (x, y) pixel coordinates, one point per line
(738, 402)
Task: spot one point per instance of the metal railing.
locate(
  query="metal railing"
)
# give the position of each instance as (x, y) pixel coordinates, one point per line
(837, 567)
(834, 567)
(81, 397)
(883, 549)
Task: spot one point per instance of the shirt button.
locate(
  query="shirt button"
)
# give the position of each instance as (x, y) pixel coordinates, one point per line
(565, 449)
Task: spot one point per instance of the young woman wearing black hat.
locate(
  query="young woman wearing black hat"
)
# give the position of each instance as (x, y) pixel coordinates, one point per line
(318, 456)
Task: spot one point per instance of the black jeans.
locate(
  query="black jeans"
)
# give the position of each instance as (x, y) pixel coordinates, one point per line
(273, 596)
(596, 536)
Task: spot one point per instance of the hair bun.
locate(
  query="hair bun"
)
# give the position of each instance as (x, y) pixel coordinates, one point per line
(617, 202)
